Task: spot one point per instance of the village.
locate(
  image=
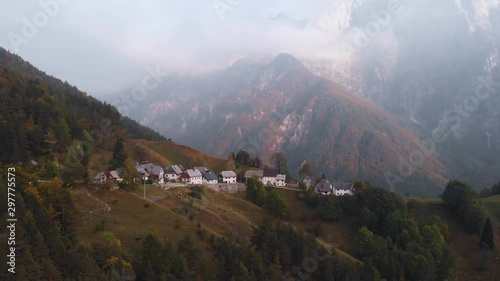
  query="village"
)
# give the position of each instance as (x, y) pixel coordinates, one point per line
(224, 181)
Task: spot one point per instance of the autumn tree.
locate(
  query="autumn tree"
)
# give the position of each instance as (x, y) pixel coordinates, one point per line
(305, 170)
(276, 205)
(256, 191)
(140, 153)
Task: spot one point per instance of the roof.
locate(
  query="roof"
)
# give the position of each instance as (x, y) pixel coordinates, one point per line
(146, 166)
(251, 173)
(228, 174)
(201, 169)
(142, 172)
(281, 177)
(270, 173)
(323, 186)
(193, 173)
(100, 175)
(209, 176)
(182, 168)
(174, 169)
(342, 185)
(114, 174)
(155, 170)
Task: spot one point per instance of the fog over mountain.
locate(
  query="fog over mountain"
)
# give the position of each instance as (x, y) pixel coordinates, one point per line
(438, 69)
(111, 49)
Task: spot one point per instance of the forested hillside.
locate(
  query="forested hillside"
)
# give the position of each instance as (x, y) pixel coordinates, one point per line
(41, 116)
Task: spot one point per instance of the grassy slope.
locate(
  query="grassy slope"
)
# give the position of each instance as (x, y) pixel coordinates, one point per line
(179, 154)
(469, 259)
(131, 218)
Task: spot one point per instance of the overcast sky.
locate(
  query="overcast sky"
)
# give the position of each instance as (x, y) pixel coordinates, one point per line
(104, 46)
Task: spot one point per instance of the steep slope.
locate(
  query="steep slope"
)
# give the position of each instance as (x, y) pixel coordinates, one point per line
(282, 107)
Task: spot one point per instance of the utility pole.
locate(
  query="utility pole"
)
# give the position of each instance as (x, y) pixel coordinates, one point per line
(144, 188)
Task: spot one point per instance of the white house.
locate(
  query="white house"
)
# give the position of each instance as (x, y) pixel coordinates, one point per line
(227, 176)
(343, 188)
(280, 180)
(209, 178)
(195, 177)
(269, 176)
(173, 173)
(100, 177)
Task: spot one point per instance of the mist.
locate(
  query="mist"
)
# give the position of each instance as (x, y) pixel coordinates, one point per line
(102, 47)
(105, 47)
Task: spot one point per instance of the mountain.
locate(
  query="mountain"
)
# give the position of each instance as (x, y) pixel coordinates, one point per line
(281, 106)
(430, 67)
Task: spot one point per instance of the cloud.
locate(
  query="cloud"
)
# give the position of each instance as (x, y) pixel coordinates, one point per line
(103, 46)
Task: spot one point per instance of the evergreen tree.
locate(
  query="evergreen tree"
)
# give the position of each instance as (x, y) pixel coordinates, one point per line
(487, 235)
(64, 136)
(242, 157)
(329, 208)
(119, 155)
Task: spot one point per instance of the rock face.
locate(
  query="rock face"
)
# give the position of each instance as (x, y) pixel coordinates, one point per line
(426, 67)
(281, 106)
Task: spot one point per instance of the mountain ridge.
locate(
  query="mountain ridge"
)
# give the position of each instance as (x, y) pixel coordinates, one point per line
(280, 106)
